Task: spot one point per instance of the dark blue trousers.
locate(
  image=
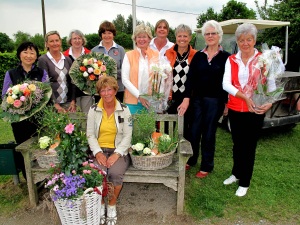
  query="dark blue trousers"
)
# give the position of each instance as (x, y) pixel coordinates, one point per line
(207, 112)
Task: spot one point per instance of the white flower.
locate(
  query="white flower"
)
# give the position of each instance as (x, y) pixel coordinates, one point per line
(138, 146)
(165, 137)
(95, 65)
(147, 151)
(14, 96)
(16, 89)
(85, 74)
(44, 142)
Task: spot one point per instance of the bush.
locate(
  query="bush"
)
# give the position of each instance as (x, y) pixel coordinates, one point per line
(7, 62)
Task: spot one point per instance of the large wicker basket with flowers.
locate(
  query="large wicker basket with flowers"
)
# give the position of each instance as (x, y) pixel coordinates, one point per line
(151, 150)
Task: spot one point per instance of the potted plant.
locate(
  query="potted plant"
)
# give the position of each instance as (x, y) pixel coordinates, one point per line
(151, 150)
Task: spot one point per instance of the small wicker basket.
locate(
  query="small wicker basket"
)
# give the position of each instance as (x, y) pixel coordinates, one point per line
(152, 162)
(45, 160)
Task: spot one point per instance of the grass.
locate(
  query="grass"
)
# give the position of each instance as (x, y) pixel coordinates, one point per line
(273, 195)
(274, 191)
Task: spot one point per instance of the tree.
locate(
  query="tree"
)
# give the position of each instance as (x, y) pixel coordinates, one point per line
(21, 37)
(284, 10)
(39, 41)
(236, 10)
(209, 15)
(6, 44)
(124, 40)
(92, 40)
(129, 23)
(120, 23)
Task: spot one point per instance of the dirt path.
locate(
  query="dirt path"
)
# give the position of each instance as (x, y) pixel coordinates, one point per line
(140, 204)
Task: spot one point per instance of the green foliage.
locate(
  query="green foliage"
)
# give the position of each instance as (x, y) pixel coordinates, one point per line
(7, 62)
(124, 40)
(92, 40)
(38, 40)
(143, 126)
(64, 44)
(232, 10)
(171, 35)
(120, 23)
(6, 44)
(21, 37)
(236, 10)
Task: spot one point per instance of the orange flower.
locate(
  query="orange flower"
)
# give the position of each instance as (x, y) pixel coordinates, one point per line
(82, 68)
(26, 92)
(99, 63)
(92, 77)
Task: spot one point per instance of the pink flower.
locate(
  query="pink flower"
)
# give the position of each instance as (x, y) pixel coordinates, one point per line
(103, 68)
(90, 70)
(23, 98)
(92, 165)
(85, 163)
(87, 171)
(17, 103)
(74, 171)
(69, 128)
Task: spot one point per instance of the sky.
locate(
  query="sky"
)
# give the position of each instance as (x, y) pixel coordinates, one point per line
(86, 15)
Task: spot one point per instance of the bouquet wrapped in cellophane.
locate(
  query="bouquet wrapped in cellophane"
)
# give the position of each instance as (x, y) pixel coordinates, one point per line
(266, 85)
(159, 84)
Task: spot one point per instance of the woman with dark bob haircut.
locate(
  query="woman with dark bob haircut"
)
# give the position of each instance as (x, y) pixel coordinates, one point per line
(27, 69)
(107, 32)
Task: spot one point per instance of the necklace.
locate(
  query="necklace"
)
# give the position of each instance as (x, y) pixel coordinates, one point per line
(184, 58)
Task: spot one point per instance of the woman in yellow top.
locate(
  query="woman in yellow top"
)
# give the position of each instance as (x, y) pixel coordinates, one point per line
(109, 133)
(135, 69)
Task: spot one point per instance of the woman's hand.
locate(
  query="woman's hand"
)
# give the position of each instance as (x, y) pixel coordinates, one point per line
(72, 107)
(250, 104)
(263, 109)
(225, 112)
(59, 108)
(181, 109)
(144, 102)
(112, 159)
(101, 159)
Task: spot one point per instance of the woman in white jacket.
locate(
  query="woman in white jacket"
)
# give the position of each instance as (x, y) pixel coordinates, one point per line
(109, 132)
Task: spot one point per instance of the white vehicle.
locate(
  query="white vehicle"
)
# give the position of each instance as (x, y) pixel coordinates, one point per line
(283, 112)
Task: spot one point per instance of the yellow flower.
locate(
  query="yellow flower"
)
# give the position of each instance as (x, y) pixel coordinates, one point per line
(10, 100)
(31, 87)
(97, 71)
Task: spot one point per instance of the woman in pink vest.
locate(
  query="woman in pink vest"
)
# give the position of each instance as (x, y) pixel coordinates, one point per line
(246, 119)
(135, 69)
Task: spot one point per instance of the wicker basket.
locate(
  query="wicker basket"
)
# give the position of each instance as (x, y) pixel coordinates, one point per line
(82, 211)
(152, 162)
(45, 160)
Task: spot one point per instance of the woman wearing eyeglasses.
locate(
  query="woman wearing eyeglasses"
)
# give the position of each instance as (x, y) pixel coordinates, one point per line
(205, 78)
(77, 41)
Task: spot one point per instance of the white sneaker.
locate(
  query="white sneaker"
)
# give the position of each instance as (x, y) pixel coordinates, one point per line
(230, 180)
(102, 214)
(241, 191)
(111, 218)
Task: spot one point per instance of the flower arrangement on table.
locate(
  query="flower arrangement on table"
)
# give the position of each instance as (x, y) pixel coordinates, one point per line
(87, 69)
(266, 84)
(23, 100)
(62, 135)
(160, 84)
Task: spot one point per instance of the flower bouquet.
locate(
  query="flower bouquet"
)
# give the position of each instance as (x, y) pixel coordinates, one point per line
(87, 69)
(152, 150)
(24, 100)
(266, 84)
(77, 196)
(159, 84)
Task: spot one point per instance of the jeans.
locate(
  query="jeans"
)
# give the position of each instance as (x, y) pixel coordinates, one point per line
(207, 112)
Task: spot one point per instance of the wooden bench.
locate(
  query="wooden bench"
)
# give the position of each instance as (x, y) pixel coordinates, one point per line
(172, 176)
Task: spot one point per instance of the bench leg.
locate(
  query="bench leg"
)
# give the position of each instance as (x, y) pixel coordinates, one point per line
(181, 184)
(32, 190)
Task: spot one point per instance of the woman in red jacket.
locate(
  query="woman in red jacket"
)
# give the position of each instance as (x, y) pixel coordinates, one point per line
(245, 118)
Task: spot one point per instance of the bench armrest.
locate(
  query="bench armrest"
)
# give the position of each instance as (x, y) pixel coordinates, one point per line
(185, 148)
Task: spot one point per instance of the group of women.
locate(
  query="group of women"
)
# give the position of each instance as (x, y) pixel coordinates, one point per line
(206, 84)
